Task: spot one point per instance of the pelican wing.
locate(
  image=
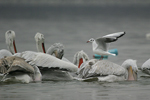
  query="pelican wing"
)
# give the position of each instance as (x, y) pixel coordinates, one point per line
(146, 67)
(102, 68)
(46, 60)
(3, 66)
(4, 53)
(105, 67)
(19, 64)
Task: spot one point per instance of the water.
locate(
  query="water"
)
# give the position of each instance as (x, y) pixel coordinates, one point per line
(73, 26)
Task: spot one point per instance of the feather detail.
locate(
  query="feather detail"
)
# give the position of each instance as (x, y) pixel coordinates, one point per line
(46, 60)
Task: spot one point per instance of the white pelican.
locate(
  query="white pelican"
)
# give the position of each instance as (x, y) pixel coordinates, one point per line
(17, 70)
(80, 57)
(105, 70)
(146, 67)
(10, 41)
(49, 65)
(57, 48)
(39, 38)
(100, 45)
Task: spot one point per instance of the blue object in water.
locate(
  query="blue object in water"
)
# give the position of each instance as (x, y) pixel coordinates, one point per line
(114, 51)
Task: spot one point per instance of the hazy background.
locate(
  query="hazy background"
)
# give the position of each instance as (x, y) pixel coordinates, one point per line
(73, 22)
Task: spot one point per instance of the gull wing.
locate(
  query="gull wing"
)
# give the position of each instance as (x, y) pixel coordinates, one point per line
(103, 43)
(116, 35)
(46, 60)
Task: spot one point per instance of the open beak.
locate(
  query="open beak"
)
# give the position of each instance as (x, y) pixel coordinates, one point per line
(15, 49)
(131, 74)
(43, 47)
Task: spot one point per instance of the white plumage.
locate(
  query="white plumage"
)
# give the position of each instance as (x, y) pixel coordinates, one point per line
(45, 60)
(15, 69)
(101, 44)
(4, 53)
(107, 71)
(146, 67)
(10, 42)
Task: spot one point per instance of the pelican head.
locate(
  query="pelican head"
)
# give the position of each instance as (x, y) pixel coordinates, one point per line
(91, 40)
(85, 67)
(57, 49)
(10, 41)
(80, 57)
(132, 69)
(39, 38)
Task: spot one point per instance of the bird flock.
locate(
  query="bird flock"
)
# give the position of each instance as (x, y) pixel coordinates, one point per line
(31, 66)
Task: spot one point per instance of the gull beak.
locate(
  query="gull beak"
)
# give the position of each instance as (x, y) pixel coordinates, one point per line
(131, 74)
(87, 41)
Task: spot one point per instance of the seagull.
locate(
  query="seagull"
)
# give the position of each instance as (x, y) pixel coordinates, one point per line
(101, 44)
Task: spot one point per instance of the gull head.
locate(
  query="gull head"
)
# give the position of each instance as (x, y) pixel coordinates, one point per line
(91, 40)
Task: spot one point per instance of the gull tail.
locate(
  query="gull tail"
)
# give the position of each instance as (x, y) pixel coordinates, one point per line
(113, 54)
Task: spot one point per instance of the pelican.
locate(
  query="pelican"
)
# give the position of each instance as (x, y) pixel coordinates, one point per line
(10, 41)
(17, 70)
(146, 67)
(49, 65)
(57, 48)
(80, 57)
(39, 38)
(107, 71)
(101, 44)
